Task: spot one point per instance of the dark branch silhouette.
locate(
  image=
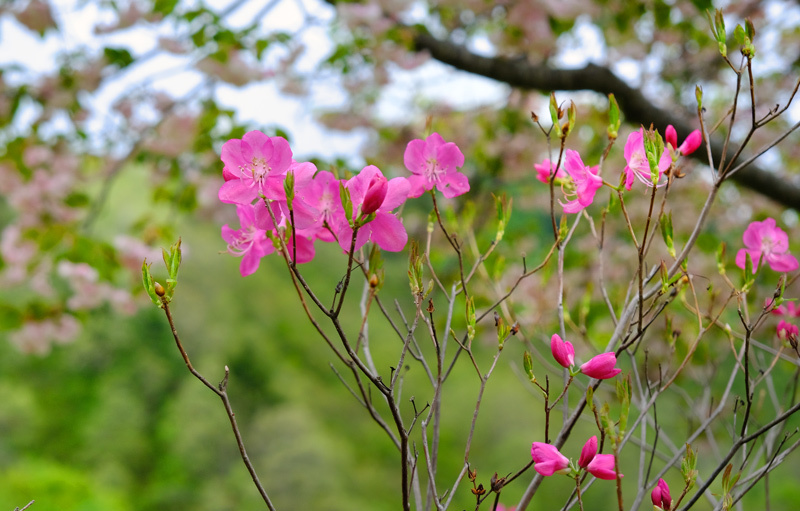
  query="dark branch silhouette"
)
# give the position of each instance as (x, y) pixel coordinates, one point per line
(637, 109)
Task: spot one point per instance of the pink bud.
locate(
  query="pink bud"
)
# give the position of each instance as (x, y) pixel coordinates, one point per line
(661, 497)
(376, 193)
(548, 460)
(563, 351)
(691, 143)
(588, 452)
(601, 366)
(602, 467)
(671, 136)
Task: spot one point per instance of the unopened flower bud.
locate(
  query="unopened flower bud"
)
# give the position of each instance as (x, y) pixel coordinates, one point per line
(160, 291)
(376, 193)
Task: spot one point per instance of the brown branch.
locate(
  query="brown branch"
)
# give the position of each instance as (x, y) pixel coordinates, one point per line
(634, 105)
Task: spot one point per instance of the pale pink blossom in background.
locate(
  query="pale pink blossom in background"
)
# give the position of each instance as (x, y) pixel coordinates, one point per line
(37, 337)
(768, 243)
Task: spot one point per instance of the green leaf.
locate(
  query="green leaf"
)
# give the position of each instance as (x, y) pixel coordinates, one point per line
(164, 7)
(119, 57)
(666, 233)
(613, 118)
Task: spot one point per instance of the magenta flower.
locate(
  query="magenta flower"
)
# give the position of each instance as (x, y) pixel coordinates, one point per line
(588, 452)
(766, 242)
(586, 182)
(250, 164)
(250, 243)
(563, 351)
(322, 196)
(638, 167)
(787, 330)
(661, 497)
(602, 467)
(601, 366)
(547, 460)
(688, 146)
(544, 169)
(433, 162)
(385, 230)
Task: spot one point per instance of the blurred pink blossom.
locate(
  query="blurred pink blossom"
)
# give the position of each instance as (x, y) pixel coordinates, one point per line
(585, 183)
(766, 243)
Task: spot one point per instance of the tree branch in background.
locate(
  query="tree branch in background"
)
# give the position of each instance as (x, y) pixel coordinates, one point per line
(636, 107)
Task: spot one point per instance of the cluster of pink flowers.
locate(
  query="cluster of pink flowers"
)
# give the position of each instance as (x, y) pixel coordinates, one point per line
(580, 182)
(601, 367)
(766, 243)
(548, 461)
(272, 192)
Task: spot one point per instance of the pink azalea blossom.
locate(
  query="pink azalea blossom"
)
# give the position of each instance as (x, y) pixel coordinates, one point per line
(688, 146)
(787, 330)
(547, 460)
(766, 242)
(588, 452)
(661, 497)
(249, 242)
(544, 169)
(638, 167)
(586, 182)
(602, 467)
(563, 351)
(322, 195)
(601, 367)
(385, 230)
(785, 309)
(433, 162)
(252, 164)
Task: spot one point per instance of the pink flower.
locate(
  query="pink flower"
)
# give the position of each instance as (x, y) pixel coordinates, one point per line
(661, 497)
(433, 162)
(588, 452)
(251, 166)
(563, 351)
(637, 166)
(547, 460)
(586, 183)
(501, 507)
(766, 242)
(688, 146)
(787, 330)
(601, 367)
(249, 242)
(544, 169)
(602, 467)
(385, 230)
